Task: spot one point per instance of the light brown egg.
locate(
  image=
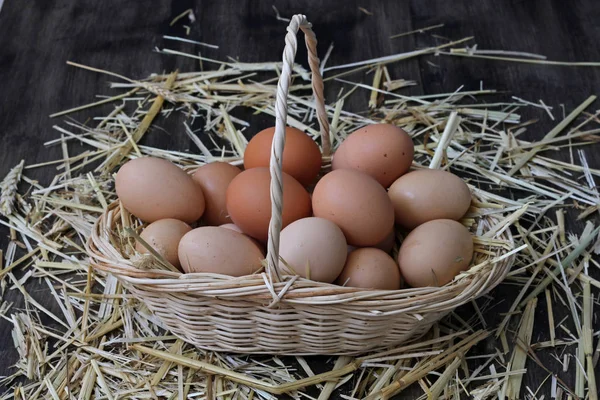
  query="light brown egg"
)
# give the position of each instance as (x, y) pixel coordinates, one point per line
(314, 248)
(370, 268)
(383, 151)
(428, 194)
(164, 236)
(238, 229)
(249, 202)
(219, 251)
(233, 227)
(386, 244)
(357, 204)
(301, 155)
(152, 189)
(214, 178)
(435, 252)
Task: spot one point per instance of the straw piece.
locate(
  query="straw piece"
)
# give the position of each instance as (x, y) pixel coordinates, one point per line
(211, 46)
(449, 130)
(420, 370)
(512, 386)
(243, 379)
(560, 219)
(331, 385)
(442, 382)
(376, 84)
(396, 57)
(95, 104)
(8, 187)
(555, 131)
(189, 12)
(587, 341)
(165, 367)
(550, 318)
(464, 53)
(416, 31)
(122, 152)
(583, 244)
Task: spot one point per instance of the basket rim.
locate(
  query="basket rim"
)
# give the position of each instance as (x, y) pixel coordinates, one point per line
(291, 289)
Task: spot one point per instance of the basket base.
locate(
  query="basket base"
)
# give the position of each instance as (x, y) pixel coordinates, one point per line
(227, 326)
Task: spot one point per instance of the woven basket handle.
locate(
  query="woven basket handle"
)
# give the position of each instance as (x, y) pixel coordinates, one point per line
(289, 53)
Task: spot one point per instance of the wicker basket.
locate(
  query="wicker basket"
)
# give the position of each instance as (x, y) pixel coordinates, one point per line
(275, 314)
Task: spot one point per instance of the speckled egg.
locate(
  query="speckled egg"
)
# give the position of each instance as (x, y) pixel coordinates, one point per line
(383, 151)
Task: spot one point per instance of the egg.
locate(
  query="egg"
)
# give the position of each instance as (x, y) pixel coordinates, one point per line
(370, 268)
(314, 248)
(428, 194)
(232, 227)
(435, 252)
(152, 189)
(383, 151)
(220, 251)
(301, 155)
(249, 202)
(387, 244)
(237, 229)
(357, 204)
(214, 178)
(164, 236)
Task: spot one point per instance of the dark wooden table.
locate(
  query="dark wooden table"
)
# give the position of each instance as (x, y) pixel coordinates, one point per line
(38, 37)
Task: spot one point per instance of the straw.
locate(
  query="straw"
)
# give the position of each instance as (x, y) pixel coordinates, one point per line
(103, 342)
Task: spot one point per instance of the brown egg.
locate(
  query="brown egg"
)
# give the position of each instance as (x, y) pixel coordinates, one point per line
(315, 248)
(357, 204)
(387, 244)
(249, 202)
(370, 268)
(237, 229)
(164, 236)
(152, 189)
(435, 252)
(301, 155)
(219, 251)
(428, 194)
(382, 151)
(214, 178)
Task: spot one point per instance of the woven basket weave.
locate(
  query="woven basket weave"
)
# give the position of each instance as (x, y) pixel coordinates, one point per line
(276, 314)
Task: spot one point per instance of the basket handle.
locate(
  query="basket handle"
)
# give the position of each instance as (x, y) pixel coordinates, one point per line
(298, 21)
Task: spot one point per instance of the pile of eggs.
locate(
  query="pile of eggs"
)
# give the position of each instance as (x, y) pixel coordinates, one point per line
(343, 231)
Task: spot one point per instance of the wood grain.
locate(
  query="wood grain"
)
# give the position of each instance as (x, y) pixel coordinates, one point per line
(38, 37)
